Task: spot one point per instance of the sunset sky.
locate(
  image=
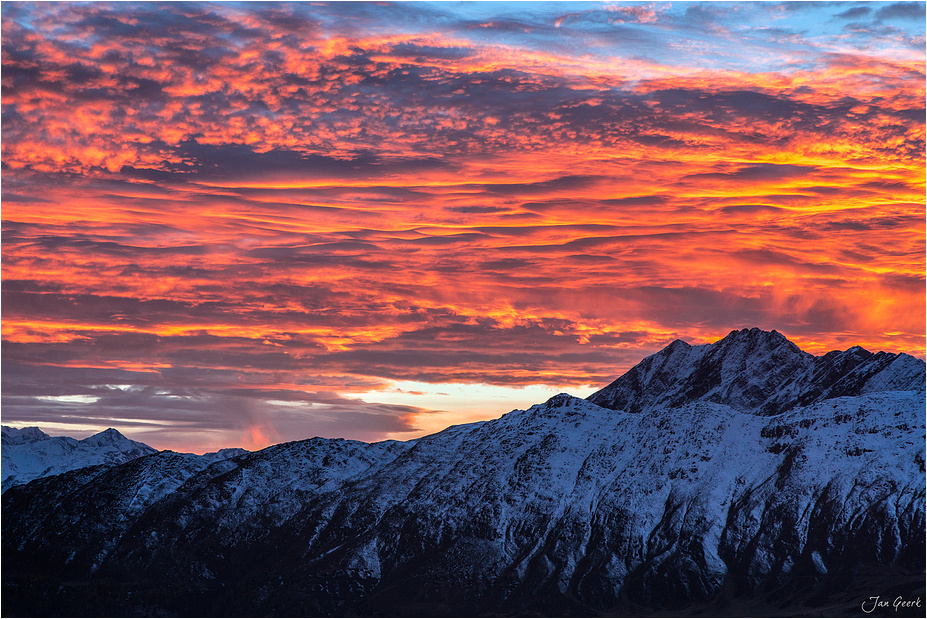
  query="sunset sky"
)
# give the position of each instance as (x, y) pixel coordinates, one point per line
(241, 224)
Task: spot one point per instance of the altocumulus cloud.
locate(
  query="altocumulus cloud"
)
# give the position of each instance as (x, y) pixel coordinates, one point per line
(236, 224)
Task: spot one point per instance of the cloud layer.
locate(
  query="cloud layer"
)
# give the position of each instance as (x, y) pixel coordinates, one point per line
(221, 221)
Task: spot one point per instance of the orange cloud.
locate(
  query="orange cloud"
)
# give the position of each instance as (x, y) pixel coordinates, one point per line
(247, 203)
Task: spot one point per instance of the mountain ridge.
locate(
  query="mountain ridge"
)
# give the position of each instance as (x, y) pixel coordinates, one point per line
(29, 453)
(566, 507)
(781, 376)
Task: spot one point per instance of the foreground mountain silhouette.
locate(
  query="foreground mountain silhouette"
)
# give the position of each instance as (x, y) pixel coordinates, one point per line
(740, 477)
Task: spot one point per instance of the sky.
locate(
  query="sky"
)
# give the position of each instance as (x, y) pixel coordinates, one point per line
(237, 224)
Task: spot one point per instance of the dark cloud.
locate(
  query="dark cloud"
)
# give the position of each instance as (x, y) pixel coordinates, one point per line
(83, 244)
(857, 221)
(856, 12)
(572, 181)
(293, 19)
(824, 190)
(161, 413)
(241, 162)
(30, 285)
(738, 210)
(318, 306)
(912, 283)
(891, 186)
(902, 10)
(78, 73)
(450, 239)
(318, 256)
(477, 209)
(15, 197)
(721, 107)
(457, 353)
(719, 309)
(592, 259)
(652, 200)
(778, 258)
(555, 204)
(506, 264)
(705, 13)
(757, 172)
(421, 53)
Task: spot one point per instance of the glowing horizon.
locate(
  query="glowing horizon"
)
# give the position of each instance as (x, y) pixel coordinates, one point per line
(230, 225)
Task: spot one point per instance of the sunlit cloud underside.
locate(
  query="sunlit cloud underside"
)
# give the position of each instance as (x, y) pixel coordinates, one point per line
(242, 224)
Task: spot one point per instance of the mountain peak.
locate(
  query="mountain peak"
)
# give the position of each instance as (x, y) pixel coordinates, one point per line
(107, 436)
(753, 332)
(29, 453)
(755, 371)
(755, 337)
(22, 436)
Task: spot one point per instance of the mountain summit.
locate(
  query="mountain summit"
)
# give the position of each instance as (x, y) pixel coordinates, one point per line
(756, 371)
(29, 453)
(677, 488)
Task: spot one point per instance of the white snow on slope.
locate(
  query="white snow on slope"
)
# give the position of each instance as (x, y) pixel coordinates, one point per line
(29, 453)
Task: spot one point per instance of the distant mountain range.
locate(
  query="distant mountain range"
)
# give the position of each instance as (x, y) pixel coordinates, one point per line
(29, 453)
(736, 478)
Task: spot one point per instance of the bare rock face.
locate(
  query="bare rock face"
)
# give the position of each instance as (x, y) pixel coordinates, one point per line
(741, 477)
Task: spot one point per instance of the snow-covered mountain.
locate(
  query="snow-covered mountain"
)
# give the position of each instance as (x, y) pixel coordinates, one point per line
(757, 372)
(740, 477)
(29, 453)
